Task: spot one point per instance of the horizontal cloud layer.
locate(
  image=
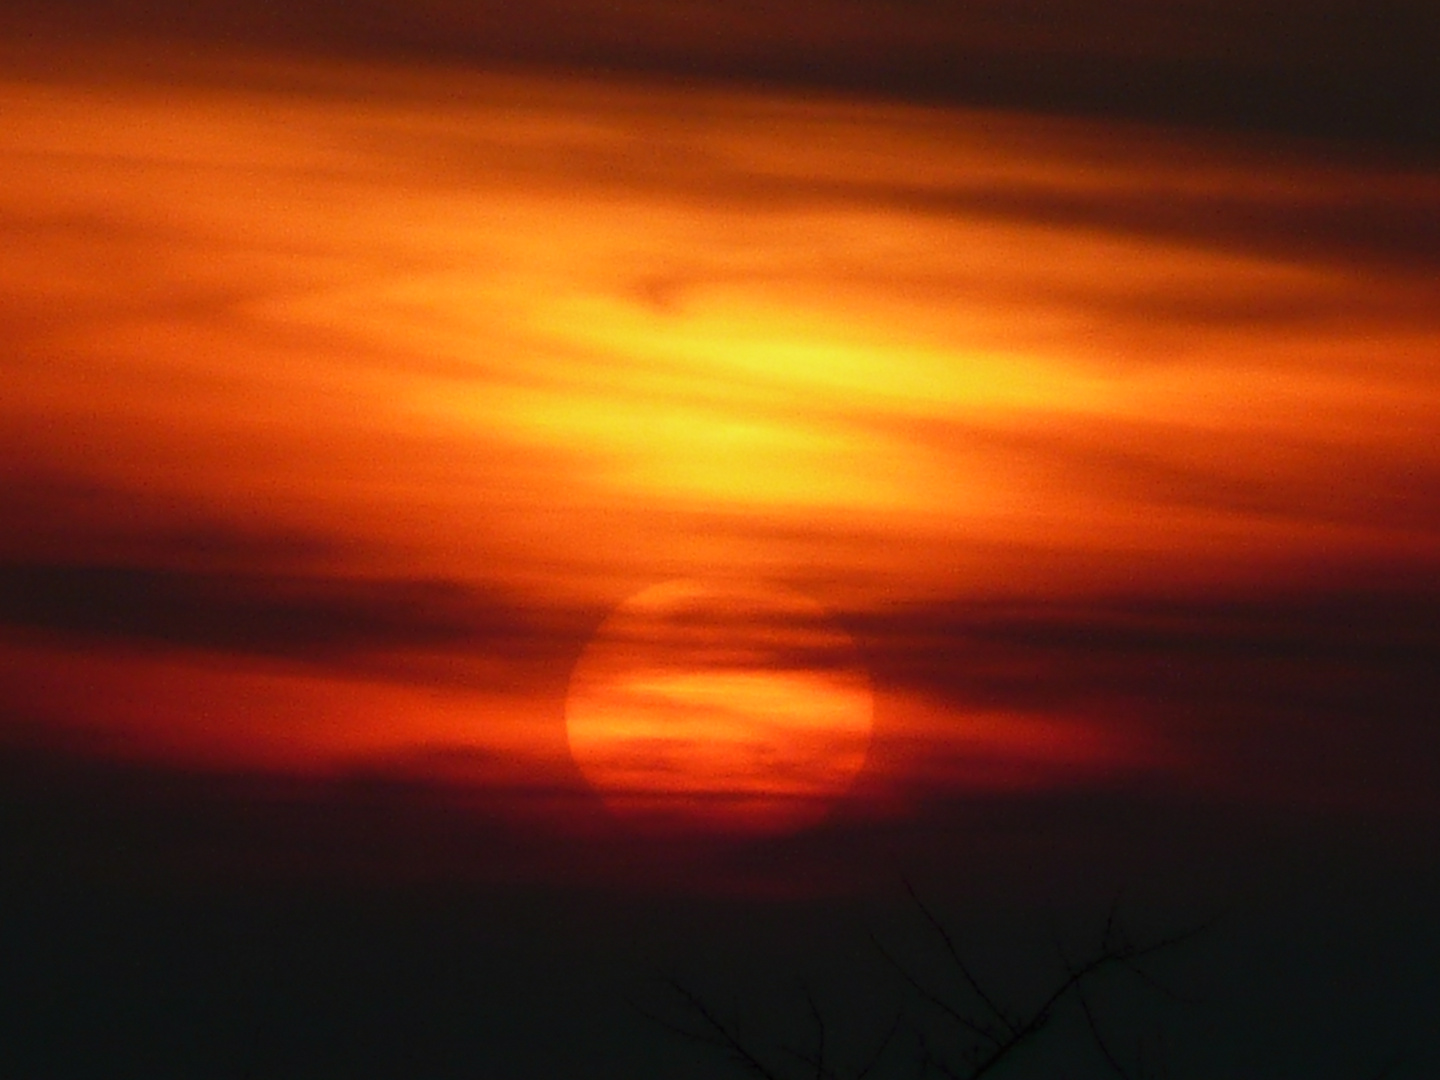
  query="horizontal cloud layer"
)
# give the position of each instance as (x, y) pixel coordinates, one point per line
(342, 403)
(1360, 70)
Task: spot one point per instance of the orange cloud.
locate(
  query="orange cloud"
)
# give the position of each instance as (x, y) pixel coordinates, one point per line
(554, 340)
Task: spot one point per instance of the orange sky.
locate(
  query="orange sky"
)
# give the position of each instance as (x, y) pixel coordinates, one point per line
(340, 403)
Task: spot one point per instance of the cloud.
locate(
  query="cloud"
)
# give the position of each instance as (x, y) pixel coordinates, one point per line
(310, 618)
(57, 515)
(1339, 67)
(365, 370)
(66, 813)
(1345, 221)
(1323, 695)
(1292, 479)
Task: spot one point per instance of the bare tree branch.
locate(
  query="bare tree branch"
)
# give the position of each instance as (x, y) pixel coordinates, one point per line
(815, 1059)
(880, 1049)
(956, 959)
(1094, 1025)
(720, 1034)
(820, 1073)
(991, 1038)
(933, 998)
(1111, 955)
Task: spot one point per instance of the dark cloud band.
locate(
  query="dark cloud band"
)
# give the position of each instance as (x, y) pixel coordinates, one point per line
(1340, 68)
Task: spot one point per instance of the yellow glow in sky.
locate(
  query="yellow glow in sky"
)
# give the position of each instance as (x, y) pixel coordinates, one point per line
(556, 340)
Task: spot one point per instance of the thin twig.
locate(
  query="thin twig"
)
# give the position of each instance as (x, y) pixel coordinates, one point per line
(1159, 987)
(955, 957)
(723, 1036)
(884, 1045)
(934, 998)
(819, 1035)
(1094, 1025)
(1041, 1016)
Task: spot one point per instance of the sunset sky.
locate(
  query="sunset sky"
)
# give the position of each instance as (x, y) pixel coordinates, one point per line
(1048, 391)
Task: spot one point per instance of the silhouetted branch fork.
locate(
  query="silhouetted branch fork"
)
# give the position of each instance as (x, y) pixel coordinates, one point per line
(990, 1036)
(957, 960)
(880, 1049)
(1111, 955)
(815, 1059)
(718, 1034)
(1159, 987)
(929, 1059)
(1116, 949)
(973, 1026)
(820, 1072)
(1094, 1025)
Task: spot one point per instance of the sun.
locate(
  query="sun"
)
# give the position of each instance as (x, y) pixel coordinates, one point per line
(719, 708)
